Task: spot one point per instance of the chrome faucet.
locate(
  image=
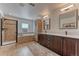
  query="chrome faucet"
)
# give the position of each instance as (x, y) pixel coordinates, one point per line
(66, 32)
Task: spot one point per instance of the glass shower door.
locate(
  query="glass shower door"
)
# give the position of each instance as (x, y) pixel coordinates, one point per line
(9, 32)
(0, 33)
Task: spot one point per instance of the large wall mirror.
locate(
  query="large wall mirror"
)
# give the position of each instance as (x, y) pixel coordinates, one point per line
(68, 20)
(46, 23)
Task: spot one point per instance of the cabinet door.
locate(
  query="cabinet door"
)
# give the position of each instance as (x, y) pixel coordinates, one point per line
(40, 39)
(49, 41)
(45, 41)
(53, 43)
(69, 47)
(77, 52)
(57, 44)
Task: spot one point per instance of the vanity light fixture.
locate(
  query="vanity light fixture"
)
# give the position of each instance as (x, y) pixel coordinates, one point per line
(46, 16)
(67, 8)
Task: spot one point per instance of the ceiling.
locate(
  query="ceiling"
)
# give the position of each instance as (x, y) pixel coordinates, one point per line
(24, 10)
(41, 9)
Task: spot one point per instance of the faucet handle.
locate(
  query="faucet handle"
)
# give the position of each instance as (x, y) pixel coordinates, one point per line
(66, 33)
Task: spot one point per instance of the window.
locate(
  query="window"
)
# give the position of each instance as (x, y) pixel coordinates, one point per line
(25, 26)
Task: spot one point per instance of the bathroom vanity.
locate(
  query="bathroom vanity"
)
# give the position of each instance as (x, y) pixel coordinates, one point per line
(66, 45)
(62, 44)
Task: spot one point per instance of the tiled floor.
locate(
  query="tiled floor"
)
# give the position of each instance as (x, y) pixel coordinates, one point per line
(26, 49)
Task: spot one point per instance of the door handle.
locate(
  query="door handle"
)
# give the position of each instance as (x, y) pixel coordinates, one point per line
(4, 28)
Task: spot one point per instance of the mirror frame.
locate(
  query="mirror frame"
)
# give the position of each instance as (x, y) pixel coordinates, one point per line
(76, 20)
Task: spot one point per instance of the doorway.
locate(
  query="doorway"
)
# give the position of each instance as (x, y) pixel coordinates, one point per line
(9, 31)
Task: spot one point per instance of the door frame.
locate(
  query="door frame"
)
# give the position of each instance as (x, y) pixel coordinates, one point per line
(2, 29)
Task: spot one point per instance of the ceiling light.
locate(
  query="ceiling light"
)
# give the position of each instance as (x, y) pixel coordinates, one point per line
(67, 7)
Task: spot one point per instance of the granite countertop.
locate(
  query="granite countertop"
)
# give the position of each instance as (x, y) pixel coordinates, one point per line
(63, 35)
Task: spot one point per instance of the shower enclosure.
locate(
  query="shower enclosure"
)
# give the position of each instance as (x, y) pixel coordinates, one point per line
(9, 31)
(0, 32)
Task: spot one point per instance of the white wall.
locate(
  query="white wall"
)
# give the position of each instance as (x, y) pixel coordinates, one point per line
(19, 13)
(15, 9)
(55, 24)
(10, 9)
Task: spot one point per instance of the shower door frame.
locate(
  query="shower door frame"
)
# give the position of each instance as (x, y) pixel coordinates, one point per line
(2, 30)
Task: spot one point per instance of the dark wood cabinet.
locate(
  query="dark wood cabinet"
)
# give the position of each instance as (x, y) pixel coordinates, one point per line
(45, 41)
(52, 42)
(42, 39)
(57, 44)
(77, 52)
(69, 47)
(51, 39)
(62, 45)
